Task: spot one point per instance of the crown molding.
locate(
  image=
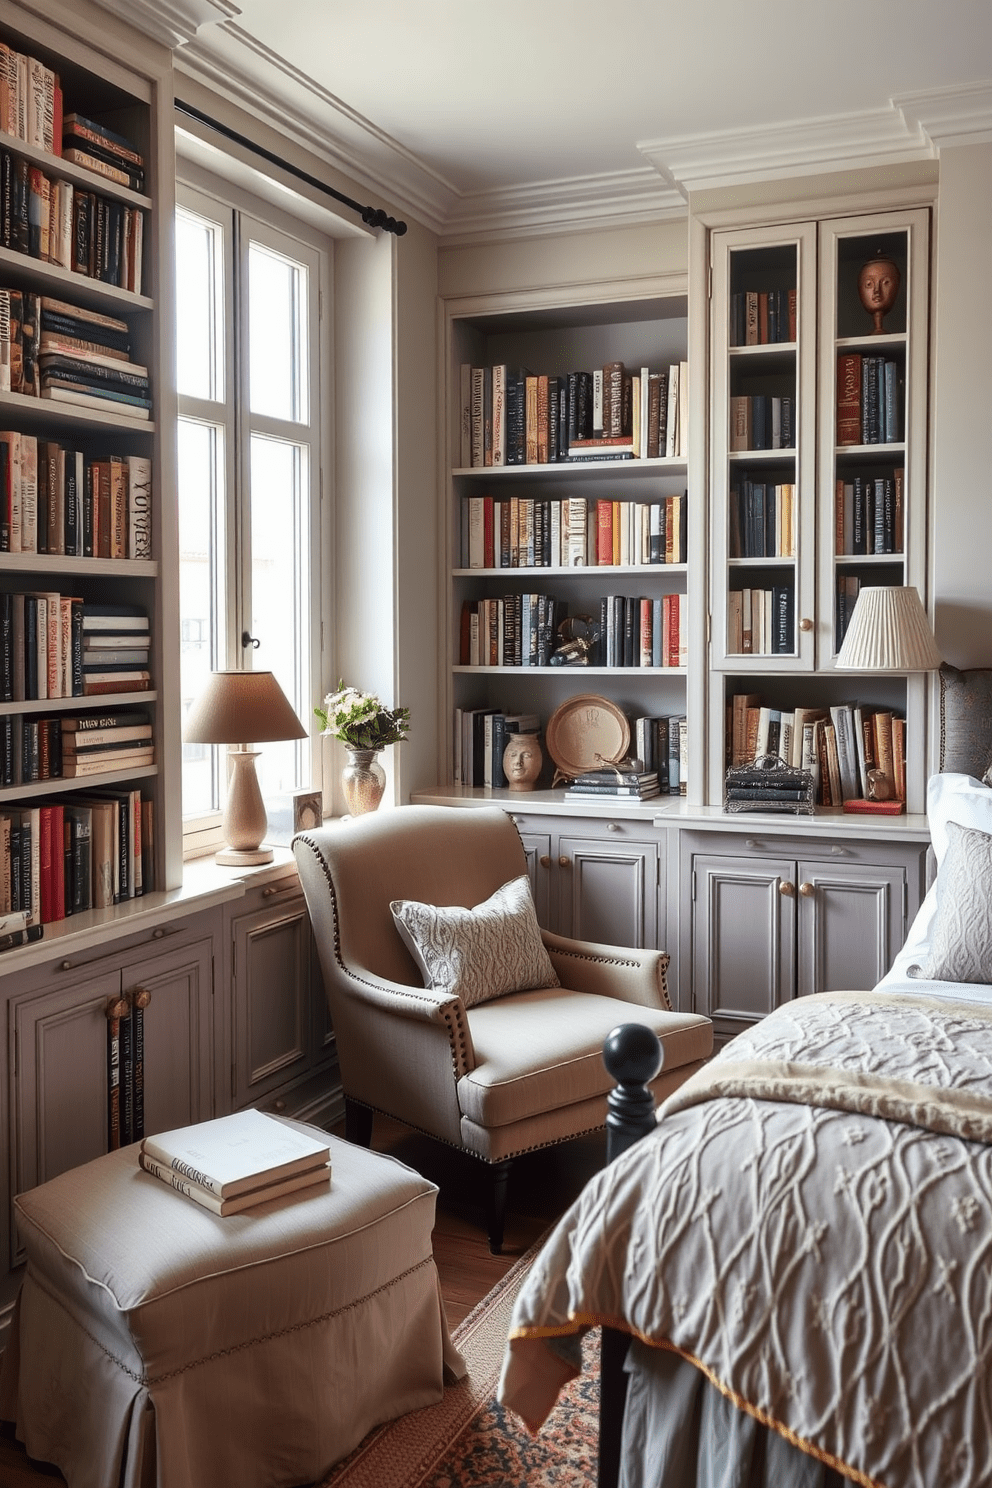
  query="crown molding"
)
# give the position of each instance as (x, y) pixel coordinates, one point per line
(951, 116)
(575, 204)
(173, 23)
(798, 147)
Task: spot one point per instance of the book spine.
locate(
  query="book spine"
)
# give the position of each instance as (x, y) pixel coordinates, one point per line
(140, 998)
(116, 1010)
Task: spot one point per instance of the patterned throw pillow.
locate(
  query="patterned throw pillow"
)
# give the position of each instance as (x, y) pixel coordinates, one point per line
(478, 953)
(961, 940)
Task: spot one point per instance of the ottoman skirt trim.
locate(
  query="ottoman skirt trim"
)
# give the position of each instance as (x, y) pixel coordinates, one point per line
(149, 1381)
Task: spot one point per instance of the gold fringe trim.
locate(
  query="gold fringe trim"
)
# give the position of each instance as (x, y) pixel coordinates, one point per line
(580, 1321)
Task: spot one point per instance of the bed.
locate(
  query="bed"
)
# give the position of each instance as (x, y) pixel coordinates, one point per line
(801, 1251)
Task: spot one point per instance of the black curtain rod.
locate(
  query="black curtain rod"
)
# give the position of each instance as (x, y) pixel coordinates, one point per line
(371, 216)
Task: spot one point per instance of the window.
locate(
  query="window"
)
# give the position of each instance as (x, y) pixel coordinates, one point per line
(248, 370)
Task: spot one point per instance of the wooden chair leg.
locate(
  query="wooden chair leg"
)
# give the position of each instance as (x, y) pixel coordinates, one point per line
(357, 1123)
(497, 1216)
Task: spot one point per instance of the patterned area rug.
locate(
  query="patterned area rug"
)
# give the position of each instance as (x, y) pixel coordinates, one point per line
(467, 1440)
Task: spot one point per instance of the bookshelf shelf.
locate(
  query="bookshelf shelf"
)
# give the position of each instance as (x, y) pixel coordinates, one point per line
(132, 101)
(601, 327)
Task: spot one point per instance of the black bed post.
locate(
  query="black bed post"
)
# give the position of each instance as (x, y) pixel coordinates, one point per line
(633, 1056)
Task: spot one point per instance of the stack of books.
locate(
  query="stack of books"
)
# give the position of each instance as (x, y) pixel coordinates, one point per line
(84, 357)
(116, 649)
(93, 743)
(775, 787)
(636, 785)
(237, 1162)
(102, 150)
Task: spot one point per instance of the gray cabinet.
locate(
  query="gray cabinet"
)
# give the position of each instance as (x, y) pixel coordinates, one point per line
(58, 1039)
(282, 1043)
(766, 918)
(596, 879)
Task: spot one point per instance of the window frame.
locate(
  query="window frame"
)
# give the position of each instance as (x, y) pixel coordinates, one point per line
(245, 218)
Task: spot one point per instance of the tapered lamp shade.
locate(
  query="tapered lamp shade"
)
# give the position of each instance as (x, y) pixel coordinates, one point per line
(238, 708)
(888, 632)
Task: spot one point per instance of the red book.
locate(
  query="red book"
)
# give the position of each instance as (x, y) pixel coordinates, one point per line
(849, 398)
(646, 633)
(604, 532)
(488, 554)
(45, 863)
(876, 808)
(672, 606)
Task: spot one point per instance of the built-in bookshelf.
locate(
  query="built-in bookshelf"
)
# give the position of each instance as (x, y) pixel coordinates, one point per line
(817, 482)
(86, 419)
(548, 522)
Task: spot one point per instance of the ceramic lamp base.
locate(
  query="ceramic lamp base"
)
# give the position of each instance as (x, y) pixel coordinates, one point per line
(229, 857)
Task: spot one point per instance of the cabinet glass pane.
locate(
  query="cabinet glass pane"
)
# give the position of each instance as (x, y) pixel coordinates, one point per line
(277, 335)
(280, 568)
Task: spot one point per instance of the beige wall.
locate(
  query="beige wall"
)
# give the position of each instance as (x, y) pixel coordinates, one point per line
(962, 430)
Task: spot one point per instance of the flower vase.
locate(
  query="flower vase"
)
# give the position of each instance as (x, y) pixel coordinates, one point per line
(363, 781)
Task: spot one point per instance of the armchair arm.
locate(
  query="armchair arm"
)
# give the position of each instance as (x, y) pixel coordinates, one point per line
(610, 971)
(420, 1004)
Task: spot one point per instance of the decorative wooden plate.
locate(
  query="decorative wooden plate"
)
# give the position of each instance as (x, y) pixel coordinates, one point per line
(585, 733)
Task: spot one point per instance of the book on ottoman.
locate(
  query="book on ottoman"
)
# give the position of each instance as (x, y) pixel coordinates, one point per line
(237, 1161)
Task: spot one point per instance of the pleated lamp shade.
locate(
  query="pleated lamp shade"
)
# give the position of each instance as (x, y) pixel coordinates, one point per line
(241, 708)
(888, 632)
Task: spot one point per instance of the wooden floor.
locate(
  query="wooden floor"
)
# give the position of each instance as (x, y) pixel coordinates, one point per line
(542, 1185)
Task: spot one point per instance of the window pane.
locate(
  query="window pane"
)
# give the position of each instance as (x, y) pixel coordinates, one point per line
(198, 306)
(200, 610)
(280, 588)
(277, 334)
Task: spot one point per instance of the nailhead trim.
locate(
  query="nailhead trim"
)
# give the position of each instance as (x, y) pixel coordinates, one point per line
(452, 1014)
(617, 961)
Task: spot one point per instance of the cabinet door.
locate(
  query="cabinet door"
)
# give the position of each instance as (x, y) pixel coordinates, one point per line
(178, 1044)
(60, 1079)
(743, 938)
(851, 923)
(271, 998)
(608, 890)
(537, 850)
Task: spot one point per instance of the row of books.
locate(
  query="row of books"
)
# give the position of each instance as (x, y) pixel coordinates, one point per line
(569, 532)
(662, 745)
(869, 514)
(35, 747)
(54, 499)
(88, 851)
(620, 781)
(232, 1163)
(32, 110)
(759, 317)
(509, 416)
(59, 223)
(759, 421)
(68, 354)
(480, 736)
(519, 630)
(840, 745)
(126, 1068)
(762, 519)
(761, 622)
(869, 400)
(635, 631)
(58, 646)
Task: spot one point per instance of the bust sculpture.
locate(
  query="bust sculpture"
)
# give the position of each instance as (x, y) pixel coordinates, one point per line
(522, 760)
(878, 285)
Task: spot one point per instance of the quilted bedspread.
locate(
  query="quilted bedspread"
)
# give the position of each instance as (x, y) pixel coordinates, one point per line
(810, 1225)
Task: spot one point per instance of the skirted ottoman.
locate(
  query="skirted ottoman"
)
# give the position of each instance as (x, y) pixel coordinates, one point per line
(157, 1345)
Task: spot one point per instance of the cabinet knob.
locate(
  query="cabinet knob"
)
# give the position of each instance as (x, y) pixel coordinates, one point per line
(141, 997)
(545, 860)
(838, 851)
(787, 888)
(65, 966)
(564, 862)
(752, 843)
(807, 890)
(613, 826)
(117, 1007)
(157, 933)
(278, 1105)
(805, 623)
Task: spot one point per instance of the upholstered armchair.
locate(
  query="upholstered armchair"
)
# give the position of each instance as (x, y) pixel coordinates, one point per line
(507, 1075)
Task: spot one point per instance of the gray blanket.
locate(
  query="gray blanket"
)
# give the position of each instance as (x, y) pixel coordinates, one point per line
(811, 1226)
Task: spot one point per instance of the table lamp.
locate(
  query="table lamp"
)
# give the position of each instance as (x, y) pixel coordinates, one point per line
(888, 632)
(234, 707)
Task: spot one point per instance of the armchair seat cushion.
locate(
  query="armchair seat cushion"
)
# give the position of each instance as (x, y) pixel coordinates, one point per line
(541, 1050)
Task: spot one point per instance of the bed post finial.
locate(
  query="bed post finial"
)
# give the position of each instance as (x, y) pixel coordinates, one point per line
(633, 1056)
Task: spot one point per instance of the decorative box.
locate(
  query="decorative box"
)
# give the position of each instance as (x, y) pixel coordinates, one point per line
(769, 784)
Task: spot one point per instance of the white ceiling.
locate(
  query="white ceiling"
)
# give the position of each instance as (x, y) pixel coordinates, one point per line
(468, 112)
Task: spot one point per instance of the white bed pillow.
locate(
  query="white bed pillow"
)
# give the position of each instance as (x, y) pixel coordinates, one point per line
(956, 798)
(478, 953)
(961, 935)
